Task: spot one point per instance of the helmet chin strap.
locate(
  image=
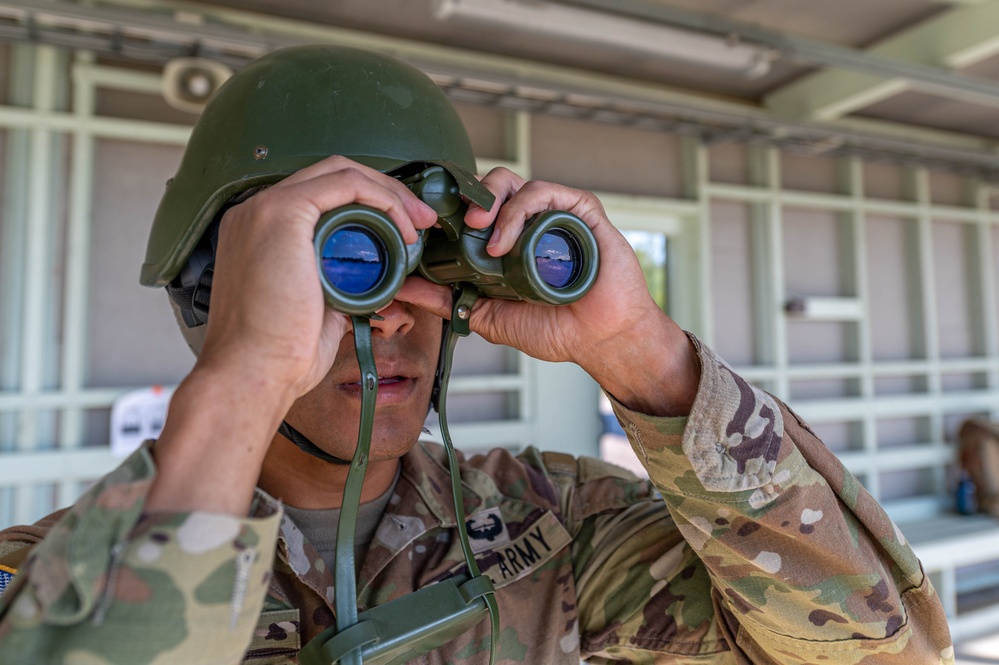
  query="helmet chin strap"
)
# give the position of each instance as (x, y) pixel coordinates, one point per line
(304, 444)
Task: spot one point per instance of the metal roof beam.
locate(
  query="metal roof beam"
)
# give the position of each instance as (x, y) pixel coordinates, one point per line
(959, 38)
(871, 65)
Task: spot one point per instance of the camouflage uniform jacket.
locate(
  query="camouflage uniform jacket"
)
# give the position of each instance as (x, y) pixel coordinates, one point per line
(769, 552)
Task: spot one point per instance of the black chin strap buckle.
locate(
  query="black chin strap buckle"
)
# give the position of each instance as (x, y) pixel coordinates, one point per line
(463, 298)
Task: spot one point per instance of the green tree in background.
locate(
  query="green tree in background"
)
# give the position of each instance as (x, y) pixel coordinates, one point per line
(651, 251)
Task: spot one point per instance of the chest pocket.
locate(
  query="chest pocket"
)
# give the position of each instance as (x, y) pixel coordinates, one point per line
(276, 639)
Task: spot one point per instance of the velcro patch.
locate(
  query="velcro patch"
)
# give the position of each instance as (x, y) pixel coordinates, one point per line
(278, 633)
(6, 575)
(486, 530)
(538, 543)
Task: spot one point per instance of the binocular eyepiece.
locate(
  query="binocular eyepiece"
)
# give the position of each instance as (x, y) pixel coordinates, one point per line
(363, 259)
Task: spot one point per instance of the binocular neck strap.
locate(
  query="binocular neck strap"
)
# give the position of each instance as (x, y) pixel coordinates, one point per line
(463, 298)
(345, 576)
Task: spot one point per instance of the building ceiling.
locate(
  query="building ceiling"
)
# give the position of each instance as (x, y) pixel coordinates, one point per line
(884, 67)
(933, 33)
(853, 23)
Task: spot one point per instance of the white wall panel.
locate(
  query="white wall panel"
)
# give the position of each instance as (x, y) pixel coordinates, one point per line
(809, 173)
(895, 303)
(819, 342)
(815, 256)
(489, 130)
(947, 189)
(732, 297)
(138, 105)
(899, 385)
(883, 181)
(133, 337)
(606, 158)
(951, 256)
(728, 163)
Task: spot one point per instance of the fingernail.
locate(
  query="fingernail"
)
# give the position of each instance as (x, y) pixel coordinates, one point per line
(493, 239)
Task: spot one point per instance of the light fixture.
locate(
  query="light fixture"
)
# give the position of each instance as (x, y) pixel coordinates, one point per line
(188, 83)
(597, 28)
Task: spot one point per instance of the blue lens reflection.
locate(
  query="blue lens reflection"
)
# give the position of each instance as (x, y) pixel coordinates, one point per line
(353, 260)
(557, 257)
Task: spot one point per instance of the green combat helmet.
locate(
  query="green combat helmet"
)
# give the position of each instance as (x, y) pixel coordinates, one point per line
(283, 112)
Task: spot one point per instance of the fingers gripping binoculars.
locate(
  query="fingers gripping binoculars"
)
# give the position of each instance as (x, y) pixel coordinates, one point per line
(363, 259)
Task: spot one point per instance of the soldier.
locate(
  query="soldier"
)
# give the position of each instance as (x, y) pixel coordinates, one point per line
(750, 544)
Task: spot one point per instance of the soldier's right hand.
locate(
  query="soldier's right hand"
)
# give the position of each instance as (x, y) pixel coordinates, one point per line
(267, 307)
(270, 336)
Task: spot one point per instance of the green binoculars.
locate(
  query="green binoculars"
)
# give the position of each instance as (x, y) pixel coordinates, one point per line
(363, 259)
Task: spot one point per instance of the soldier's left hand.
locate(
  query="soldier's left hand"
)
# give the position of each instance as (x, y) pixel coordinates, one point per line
(616, 332)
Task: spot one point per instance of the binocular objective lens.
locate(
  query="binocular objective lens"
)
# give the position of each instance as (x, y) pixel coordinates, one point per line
(353, 260)
(558, 258)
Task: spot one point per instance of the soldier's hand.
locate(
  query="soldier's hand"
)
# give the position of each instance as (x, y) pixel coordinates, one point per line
(270, 337)
(267, 304)
(617, 332)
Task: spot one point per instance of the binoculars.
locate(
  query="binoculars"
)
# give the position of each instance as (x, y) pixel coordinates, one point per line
(363, 259)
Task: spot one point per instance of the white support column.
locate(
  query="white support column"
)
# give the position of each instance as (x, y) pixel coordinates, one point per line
(14, 236)
(37, 334)
(853, 171)
(775, 258)
(924, 243)
(36, 270)
(766, 310)
(691, 259)
(989, 318)
(931, 329)
(76, 285)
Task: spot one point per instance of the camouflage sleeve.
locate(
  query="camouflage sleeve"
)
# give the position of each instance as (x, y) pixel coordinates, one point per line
(110, 585)
(799, 562)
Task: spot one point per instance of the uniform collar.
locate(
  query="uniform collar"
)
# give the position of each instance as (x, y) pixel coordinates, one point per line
(427, 479)
(425, 473)
(422, 501)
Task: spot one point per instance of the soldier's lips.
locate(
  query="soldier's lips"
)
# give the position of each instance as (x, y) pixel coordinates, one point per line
(391, 389)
